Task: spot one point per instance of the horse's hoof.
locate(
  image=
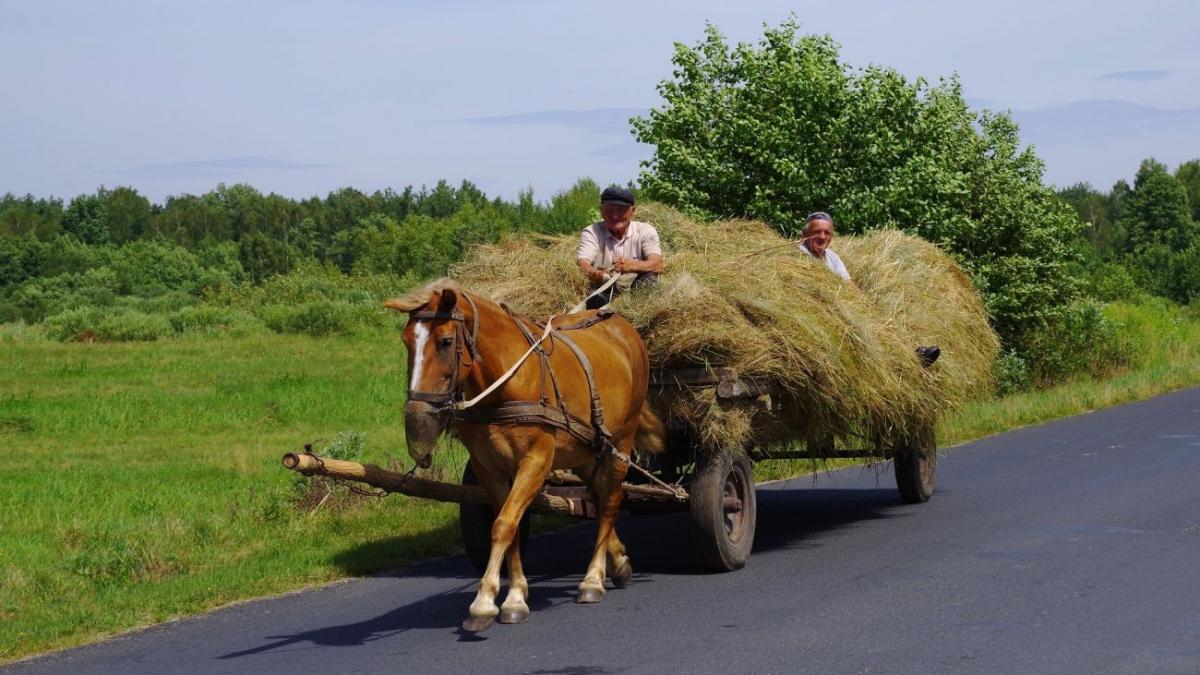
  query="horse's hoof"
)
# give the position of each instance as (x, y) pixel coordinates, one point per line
(622, 576)
(514, 615)
(589, 595)
(478, 624)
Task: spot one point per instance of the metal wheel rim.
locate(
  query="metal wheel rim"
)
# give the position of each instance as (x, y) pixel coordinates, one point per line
(928, 468)
(733, 503)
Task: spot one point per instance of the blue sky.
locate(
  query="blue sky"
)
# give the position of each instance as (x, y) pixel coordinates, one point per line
(304, 97)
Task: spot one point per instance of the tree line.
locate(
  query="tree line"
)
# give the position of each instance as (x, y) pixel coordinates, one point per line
(236, 234)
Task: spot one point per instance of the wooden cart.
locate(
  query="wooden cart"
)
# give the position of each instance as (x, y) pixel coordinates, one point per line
(716, 488)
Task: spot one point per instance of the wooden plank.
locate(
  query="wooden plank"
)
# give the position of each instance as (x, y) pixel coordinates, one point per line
(682, 377)
(562, 500)
(414, 486)
(804, 454)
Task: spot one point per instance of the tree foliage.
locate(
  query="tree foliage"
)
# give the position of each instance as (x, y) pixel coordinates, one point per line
(780, 128)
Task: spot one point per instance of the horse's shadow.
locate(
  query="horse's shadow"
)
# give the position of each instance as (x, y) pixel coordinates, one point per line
(555, 561)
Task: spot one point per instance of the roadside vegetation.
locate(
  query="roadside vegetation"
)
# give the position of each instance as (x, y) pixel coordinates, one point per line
(157, 359)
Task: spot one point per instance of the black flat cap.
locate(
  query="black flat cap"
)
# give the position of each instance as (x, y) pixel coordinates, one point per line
(616, 195)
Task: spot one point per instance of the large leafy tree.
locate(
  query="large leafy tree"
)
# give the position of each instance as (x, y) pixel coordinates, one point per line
(780, 128)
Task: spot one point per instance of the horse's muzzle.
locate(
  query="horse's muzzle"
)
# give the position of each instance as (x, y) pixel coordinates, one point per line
(423, 423)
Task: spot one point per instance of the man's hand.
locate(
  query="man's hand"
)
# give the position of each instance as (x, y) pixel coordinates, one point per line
(597, 275)
(622, 265)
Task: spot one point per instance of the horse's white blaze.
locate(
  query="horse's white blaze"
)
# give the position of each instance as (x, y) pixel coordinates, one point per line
(422, 333)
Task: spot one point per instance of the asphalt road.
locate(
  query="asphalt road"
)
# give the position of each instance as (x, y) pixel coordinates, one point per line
(1069, 547)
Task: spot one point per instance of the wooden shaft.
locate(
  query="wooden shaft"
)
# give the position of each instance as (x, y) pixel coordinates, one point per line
(413, 486)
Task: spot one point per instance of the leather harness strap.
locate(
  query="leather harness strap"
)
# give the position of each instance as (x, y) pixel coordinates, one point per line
(528, 412)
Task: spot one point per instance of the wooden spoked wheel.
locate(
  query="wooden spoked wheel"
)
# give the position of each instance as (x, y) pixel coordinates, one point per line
(723, 508)
(915, 463)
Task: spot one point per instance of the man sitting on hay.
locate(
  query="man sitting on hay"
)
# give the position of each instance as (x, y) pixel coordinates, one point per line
(818, 232)
(620, 245)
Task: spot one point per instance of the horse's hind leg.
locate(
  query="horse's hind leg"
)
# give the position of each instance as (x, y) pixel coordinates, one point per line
(607, 482)
(531, 472)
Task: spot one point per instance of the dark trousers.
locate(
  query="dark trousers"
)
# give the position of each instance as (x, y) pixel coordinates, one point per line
(643, 280)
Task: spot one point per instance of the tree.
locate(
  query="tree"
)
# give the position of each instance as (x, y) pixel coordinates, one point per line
(127, 214)
(84, 219)
(20, 216)
(1188, 174)
(1094, 209)
(779, 129)
(1158, 211)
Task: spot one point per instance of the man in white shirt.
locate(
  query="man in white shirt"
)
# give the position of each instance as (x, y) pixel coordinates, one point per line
(818, 232)
(618, 244)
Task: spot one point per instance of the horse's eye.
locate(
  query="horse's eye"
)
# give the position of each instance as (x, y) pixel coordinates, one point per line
(444, 343)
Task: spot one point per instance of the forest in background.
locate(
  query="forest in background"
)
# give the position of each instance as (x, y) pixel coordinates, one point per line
(113, 265)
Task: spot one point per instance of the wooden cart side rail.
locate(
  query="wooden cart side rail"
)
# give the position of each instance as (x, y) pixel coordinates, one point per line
(726, 380)
(561, 501)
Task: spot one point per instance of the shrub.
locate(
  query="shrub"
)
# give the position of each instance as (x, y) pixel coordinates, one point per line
(74, 324)
(104, 325)
(1109, 281)
(1011, 373)
(133, 326)
(213, 320)
(1083, 339)
(321, 317)
(19, 331)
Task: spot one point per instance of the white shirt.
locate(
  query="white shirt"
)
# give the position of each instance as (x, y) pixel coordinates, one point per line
(832, 261)
(598, 246)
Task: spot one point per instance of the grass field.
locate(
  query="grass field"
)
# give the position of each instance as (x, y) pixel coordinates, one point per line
(141, 481)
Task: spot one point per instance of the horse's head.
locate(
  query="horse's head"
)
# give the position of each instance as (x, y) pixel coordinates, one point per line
(440, 338)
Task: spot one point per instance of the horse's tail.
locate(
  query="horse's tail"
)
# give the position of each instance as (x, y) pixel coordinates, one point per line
(651, 435)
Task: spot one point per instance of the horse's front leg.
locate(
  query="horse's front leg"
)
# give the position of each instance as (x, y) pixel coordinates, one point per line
(531, 472)
(607, 493)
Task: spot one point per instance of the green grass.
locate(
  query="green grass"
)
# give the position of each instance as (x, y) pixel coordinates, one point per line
(142, 482)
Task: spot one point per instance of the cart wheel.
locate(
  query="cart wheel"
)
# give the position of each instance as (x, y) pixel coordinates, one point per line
(723, 508)
(475, 524)
(915, 465)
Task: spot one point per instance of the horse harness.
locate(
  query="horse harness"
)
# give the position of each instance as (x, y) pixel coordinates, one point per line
(592, 433)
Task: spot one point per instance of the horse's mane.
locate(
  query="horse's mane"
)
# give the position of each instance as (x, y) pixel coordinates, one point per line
(422, 296)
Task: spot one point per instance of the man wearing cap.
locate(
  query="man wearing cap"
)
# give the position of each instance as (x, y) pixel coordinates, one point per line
(618, 244)
(818, 232)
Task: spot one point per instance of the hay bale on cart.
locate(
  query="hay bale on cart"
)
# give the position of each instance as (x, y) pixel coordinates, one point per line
(760, 352)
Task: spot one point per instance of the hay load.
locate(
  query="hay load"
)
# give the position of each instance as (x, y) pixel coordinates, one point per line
(734, 294)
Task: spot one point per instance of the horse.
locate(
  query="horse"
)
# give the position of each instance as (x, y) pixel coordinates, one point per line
(589, 419)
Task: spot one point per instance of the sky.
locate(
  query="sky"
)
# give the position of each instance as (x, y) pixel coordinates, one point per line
(305, 97)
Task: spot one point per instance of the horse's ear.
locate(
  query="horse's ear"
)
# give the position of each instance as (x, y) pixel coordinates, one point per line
(448, 300)
(410, 302)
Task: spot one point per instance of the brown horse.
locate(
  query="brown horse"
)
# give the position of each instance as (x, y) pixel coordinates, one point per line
(578, 403)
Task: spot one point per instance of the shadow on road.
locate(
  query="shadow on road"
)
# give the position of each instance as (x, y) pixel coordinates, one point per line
(787, 519)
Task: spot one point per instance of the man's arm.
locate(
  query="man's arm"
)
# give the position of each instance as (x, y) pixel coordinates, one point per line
(589, 249)
(590, 272)
(653, 264)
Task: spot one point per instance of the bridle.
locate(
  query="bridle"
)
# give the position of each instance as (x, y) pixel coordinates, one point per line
(445, 399)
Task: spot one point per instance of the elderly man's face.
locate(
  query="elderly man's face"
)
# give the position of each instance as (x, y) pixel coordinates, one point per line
(617, 217)
(820, 233)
